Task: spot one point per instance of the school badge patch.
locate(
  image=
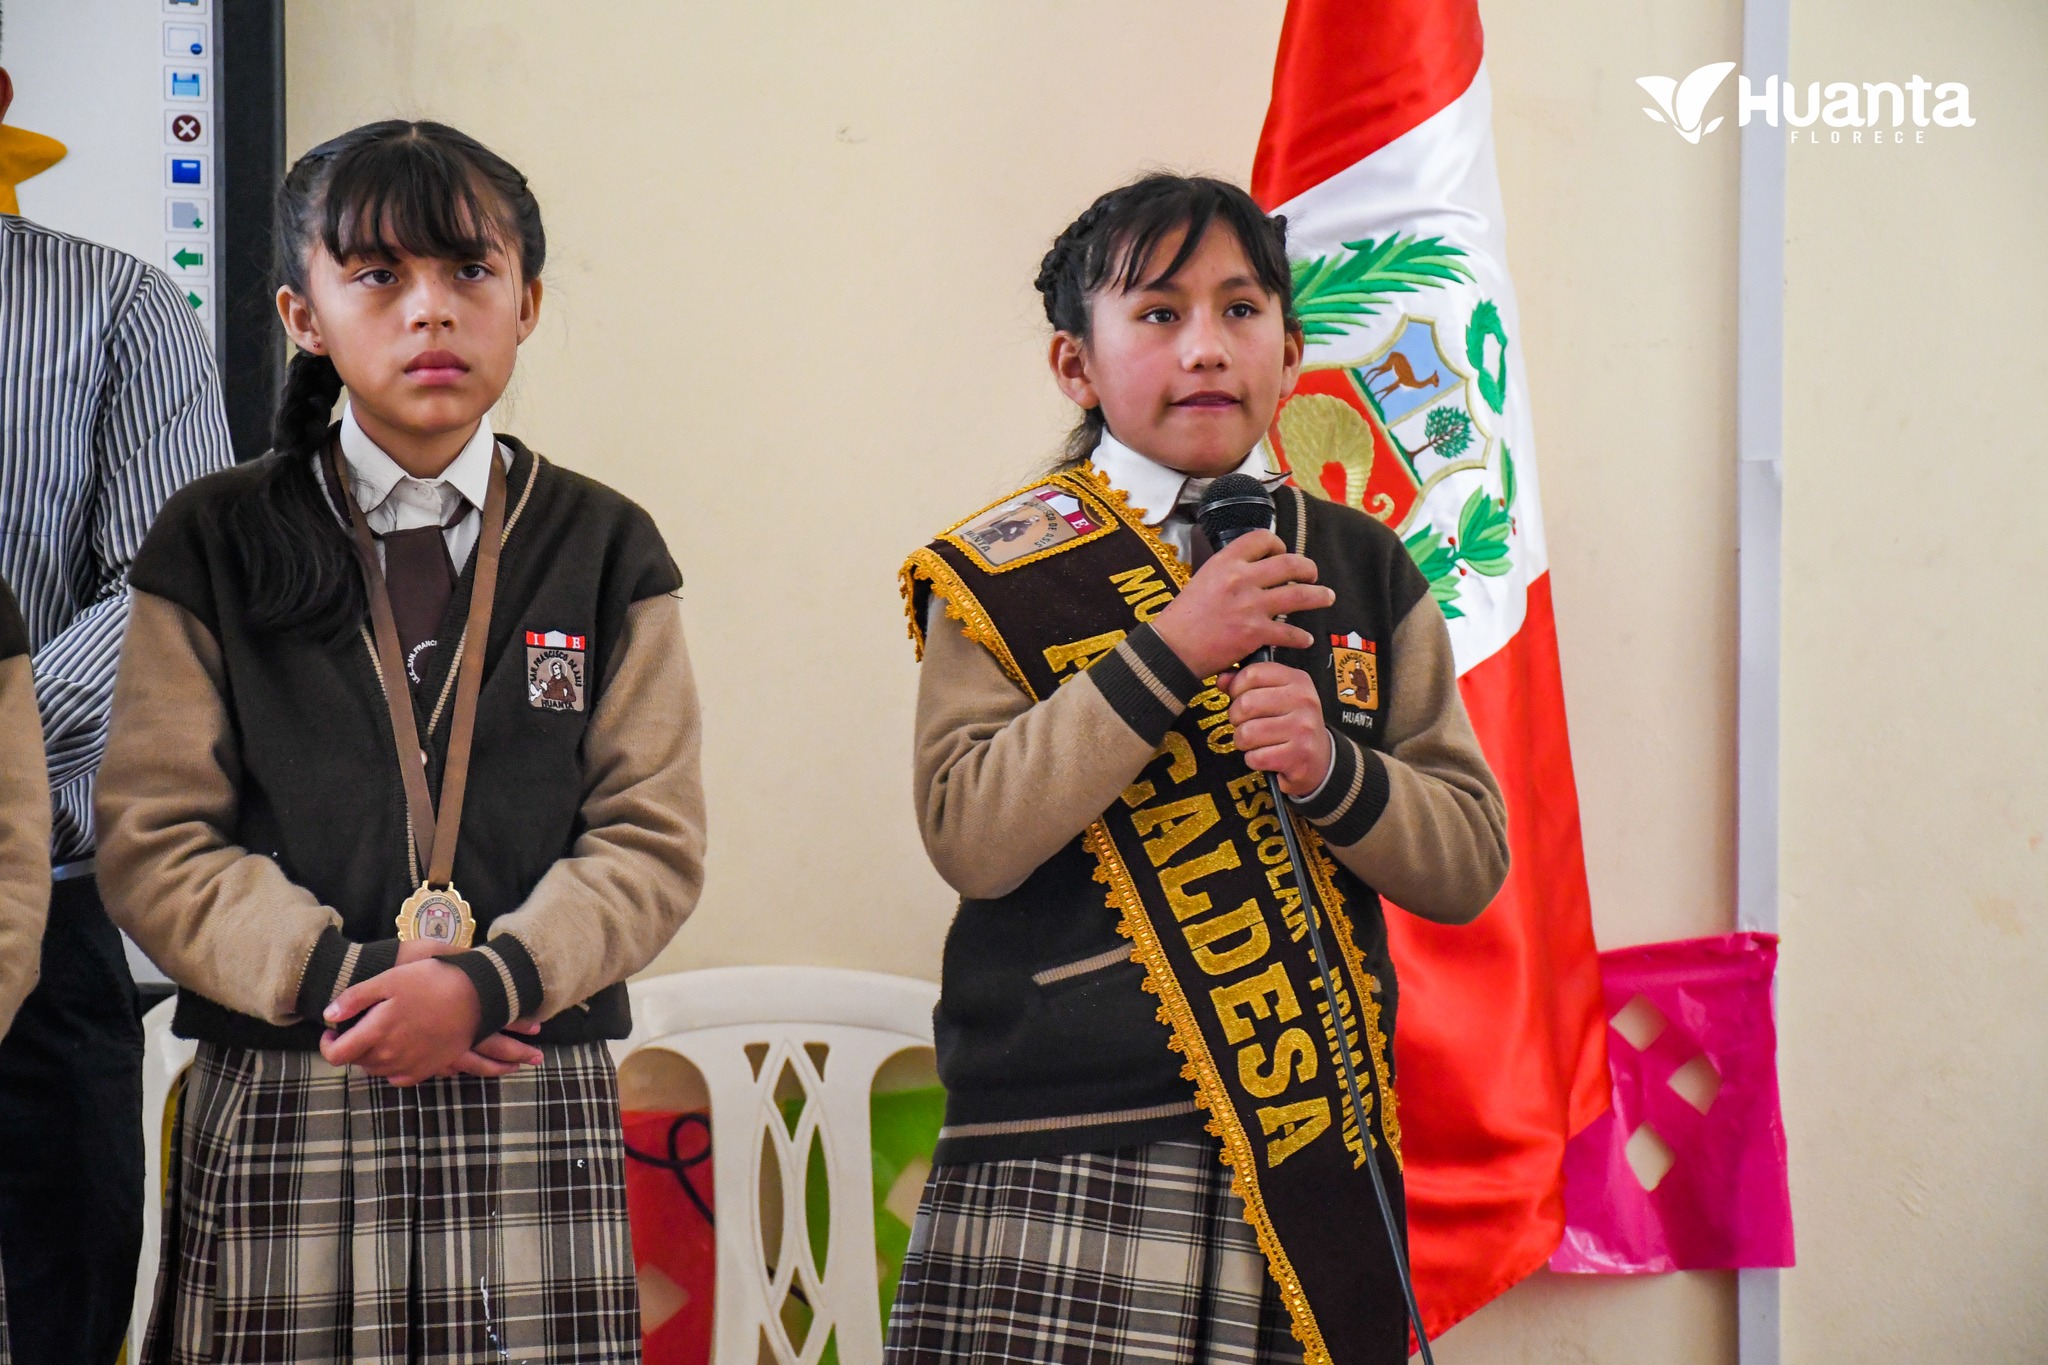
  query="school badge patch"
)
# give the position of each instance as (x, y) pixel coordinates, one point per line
(1031, 523)
(1356, 661)
(554, 670)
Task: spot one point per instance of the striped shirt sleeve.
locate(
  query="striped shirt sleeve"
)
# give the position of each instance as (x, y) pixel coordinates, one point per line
(159, 425)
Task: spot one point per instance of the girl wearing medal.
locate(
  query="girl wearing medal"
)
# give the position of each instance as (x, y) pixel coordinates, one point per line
(402, 784)
(1080, 643)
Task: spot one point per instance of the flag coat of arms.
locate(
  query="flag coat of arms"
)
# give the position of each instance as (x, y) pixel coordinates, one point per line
(1413, 405)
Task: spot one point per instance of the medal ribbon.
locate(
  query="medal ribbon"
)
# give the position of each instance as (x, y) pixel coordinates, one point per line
(434, 832)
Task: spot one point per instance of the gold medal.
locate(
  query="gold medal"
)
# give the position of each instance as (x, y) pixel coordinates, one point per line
(437, 917)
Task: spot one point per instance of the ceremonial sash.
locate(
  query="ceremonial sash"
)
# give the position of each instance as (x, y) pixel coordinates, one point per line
(1049, 580)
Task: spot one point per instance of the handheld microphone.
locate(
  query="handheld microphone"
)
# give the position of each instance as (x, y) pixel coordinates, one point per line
(1233, 505)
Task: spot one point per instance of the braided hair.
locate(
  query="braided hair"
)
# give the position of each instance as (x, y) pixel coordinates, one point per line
(1111, 245)
(379, 191)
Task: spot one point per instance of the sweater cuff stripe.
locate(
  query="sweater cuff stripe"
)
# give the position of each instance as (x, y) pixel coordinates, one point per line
(1164, 665)
(512, 1004)
(351, 962)
(494, 1006)
(1146, 685)
(1364, 802)
(1135, 703)
(521, 971)
(317, 983)
(1340, 785)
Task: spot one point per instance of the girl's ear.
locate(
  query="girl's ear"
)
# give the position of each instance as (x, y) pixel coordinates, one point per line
(1069, 360)
(529, 309)
(1291, 348)
(299, 323)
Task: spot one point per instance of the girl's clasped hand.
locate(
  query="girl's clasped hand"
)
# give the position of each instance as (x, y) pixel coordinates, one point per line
(416, 1021)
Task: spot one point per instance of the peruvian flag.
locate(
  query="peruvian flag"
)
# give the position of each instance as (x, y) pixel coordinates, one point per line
(1414, 406)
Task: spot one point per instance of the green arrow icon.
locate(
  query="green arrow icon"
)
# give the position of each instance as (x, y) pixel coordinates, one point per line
(195, 300)
(187, 258)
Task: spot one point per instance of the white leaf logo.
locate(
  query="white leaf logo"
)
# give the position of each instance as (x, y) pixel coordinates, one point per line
(1682, 102)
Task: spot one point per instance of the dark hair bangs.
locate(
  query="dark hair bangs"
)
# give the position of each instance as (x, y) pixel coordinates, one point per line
(1125, 255)
(409, 197)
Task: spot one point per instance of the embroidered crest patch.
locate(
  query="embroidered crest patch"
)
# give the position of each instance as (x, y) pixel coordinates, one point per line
(1044, 517)
(554, 670)
(1356, 661)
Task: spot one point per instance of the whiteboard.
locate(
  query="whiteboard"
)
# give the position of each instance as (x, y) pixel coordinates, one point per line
(119, 84)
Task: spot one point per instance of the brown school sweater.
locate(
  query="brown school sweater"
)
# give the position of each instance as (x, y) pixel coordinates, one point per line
(253, 838)
(1047, 1043)
(24, 818)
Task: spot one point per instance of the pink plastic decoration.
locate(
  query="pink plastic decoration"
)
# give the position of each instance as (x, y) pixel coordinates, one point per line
(1686, 1171)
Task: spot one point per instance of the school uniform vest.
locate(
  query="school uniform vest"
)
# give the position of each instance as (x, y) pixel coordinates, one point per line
(1022, 1043)
(321, 792)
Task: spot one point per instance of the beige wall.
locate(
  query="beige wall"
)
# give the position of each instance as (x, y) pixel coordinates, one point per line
(790, 311)
(1916, 703)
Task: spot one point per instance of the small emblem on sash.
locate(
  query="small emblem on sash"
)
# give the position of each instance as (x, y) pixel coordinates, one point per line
(1038, 520)
(554, 670)
(1356, 661)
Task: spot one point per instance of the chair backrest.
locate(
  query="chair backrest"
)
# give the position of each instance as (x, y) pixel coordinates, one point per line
(816, 1037)
(164, 1060)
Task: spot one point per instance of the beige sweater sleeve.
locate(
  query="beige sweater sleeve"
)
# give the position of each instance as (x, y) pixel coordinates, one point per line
(24, 837)
(607, 909)
(1422, 822)
(212, 915)
(1003, 784)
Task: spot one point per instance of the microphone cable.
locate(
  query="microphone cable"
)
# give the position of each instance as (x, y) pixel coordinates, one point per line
(1233, 505)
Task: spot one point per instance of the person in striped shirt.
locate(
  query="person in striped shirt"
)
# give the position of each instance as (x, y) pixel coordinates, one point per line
(109, 403)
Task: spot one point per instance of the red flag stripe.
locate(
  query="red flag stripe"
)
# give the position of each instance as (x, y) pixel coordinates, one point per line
(1351, 77)
(1493, 1080)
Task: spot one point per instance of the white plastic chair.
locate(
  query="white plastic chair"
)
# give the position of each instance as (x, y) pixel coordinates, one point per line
(164, 1060)
(815, 1033)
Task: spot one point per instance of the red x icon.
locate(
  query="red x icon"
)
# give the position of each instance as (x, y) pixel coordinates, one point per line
(185, 128)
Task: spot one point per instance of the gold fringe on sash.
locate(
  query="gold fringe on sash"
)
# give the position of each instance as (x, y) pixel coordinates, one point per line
(1369, 1005)
(961, 605)
(1179, 1016)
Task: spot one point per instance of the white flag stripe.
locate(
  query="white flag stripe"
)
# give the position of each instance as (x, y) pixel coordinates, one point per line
(1439, 180)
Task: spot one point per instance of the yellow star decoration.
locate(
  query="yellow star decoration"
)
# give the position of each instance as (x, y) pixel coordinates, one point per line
(23, 154)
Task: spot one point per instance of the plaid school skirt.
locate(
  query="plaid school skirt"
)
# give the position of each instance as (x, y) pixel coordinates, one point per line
(1141, 1254)
(321, 1214)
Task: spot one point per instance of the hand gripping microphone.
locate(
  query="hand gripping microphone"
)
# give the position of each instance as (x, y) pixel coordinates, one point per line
(1233, 505)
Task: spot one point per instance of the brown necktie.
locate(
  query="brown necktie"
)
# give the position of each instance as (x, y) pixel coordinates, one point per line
(421, 579)
(418, 574)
